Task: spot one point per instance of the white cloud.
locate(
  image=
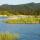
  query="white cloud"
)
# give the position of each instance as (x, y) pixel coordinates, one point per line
(17, 1)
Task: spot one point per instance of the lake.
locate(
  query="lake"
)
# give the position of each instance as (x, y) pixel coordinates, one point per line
(26, 31)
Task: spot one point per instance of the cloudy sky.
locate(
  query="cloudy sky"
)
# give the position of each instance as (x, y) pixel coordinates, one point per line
(14, 2)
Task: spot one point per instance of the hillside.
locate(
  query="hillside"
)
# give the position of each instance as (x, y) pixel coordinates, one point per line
(23, 9)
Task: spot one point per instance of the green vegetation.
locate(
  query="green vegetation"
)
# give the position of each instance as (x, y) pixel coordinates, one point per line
(8, 36)
(23, 21)
(23, 9)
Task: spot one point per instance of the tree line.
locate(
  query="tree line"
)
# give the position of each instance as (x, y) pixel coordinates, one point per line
(23, 9)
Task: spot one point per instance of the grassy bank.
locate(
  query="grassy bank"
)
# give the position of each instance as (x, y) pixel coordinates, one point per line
(23, 21)
(8, 36)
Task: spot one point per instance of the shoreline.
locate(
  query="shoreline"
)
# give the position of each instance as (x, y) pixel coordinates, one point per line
(22, 19)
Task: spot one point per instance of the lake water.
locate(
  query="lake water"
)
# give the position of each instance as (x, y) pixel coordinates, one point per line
(27, 31)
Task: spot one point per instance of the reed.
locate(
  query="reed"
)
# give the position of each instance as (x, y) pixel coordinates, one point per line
(8, 36)
(23, 21)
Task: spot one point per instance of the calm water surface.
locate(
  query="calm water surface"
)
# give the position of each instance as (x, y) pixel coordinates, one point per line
(27, 31)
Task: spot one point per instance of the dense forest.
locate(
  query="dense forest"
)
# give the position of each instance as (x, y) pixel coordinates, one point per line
(23, 9)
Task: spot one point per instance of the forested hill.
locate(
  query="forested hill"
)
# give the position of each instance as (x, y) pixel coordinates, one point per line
(24, 9)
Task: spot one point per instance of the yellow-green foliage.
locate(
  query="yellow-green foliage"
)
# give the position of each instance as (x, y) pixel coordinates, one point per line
(23, 20)
(8, 36)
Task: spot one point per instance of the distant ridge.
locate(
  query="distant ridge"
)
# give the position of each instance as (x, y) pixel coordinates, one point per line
(22, 9)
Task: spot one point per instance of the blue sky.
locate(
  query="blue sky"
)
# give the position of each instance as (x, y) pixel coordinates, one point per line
(14, 2)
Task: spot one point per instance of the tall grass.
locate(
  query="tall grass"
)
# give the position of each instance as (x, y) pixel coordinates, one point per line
(23, 20)
(8, 36)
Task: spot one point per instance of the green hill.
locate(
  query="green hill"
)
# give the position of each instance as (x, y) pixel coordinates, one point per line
(23, 9)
